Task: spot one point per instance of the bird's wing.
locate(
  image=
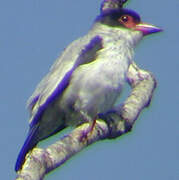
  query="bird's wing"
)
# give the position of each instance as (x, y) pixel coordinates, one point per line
(81, 51)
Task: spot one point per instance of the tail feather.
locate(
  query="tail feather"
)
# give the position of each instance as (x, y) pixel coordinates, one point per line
(30, 142)
(35, 135)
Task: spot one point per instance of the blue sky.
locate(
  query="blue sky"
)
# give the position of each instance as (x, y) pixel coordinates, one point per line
(32, 35)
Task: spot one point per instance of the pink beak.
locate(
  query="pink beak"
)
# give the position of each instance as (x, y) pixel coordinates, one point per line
(147, 28)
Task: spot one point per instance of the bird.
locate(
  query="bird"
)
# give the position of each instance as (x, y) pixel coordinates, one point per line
(87, 79)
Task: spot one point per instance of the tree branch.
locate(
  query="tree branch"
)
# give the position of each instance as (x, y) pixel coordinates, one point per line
(41, 161)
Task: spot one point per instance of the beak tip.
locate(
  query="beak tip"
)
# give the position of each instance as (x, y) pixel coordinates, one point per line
(148, 29)
(154, 30)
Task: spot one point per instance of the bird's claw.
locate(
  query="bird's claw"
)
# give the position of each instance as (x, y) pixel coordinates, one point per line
(115, 123)
(109, 115)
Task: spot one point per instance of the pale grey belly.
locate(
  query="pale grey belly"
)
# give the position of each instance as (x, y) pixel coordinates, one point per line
(88, 94)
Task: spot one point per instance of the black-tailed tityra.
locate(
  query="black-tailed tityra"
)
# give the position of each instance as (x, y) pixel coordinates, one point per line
(87, 78)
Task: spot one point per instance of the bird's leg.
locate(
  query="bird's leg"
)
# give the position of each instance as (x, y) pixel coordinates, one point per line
(86, 134)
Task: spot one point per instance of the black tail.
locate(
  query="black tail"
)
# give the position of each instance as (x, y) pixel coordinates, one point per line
(30, 142)
(33, 138)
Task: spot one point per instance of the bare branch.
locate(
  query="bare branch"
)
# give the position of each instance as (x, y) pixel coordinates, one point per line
(40, 161)
(143, 84)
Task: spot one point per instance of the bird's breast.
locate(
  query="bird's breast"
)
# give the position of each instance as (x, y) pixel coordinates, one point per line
(94, 87)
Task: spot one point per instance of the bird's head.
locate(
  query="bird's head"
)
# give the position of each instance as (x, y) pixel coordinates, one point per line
(126, 19)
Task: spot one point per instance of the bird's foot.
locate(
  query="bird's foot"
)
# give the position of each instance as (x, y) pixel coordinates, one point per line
(108, 116)
(113, 118)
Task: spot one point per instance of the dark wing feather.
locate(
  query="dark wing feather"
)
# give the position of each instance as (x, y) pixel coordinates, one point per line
(53, 85)
(59, 76)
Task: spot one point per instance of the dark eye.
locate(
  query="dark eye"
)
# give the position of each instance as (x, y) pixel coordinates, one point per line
(127, 21)
(124, 18)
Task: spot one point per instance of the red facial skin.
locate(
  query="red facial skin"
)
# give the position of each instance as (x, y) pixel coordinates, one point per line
(128, 21)
(131, 23)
